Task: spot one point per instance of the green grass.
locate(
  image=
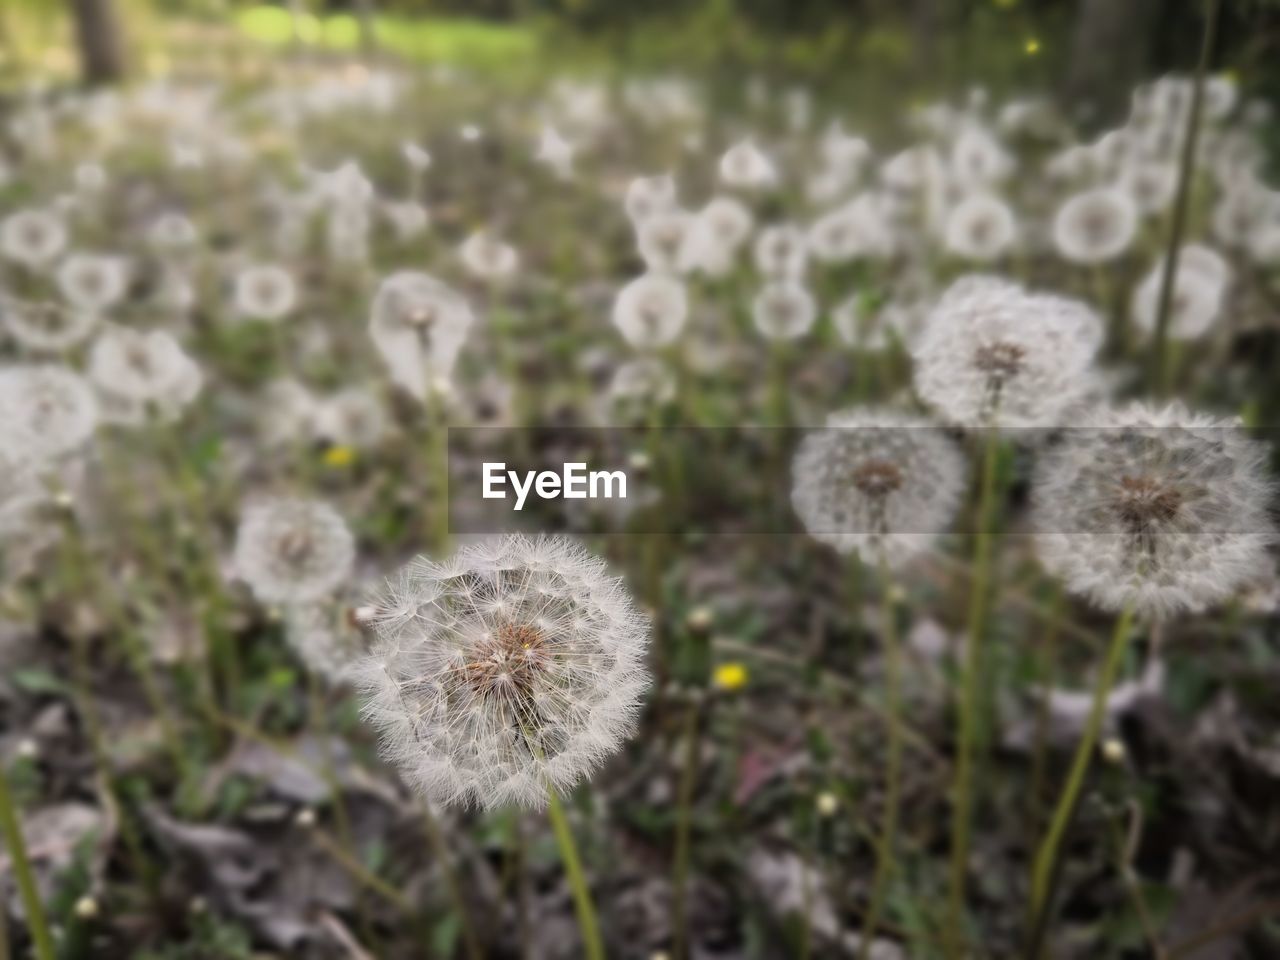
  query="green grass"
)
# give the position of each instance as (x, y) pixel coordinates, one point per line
(457, 40)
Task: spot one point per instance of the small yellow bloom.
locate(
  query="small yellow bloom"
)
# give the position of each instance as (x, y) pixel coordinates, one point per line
(1032, 46)
(339, 456)
(827, 803)
(730, 676)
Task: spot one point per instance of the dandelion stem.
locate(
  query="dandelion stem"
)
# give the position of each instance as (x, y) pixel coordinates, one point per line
(961, 810)
(1046, 860)
(893, 709)
(42, 940)
(684, 823)
(1160, 373)
(587, 923)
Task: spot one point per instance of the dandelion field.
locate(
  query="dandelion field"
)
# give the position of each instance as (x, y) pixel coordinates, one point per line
(934, 615)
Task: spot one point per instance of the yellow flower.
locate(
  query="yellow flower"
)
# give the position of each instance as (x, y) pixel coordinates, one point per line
(1032, 46)
(339, 456)
(730, 676)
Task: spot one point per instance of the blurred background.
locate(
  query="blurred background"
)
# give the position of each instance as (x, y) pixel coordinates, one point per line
(208, 212)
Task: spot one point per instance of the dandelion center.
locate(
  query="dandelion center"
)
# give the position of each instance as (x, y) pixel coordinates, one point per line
(1145, 500)
(1000, 360)
(877, 478)
(509, 663)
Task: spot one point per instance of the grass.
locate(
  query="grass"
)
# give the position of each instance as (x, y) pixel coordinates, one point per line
(441, 39)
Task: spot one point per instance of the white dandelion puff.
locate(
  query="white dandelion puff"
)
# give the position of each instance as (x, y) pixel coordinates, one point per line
(782, 251)
(747, 167)
(418, 325)
(140, 372)
(1196, 300)
(93, 283)
(488, 258)
(292, 551)
(508, 671)
(46, 411)
(32, 238)
(992, 354)
(663, 239)
(647, 196)
(1156, 510)
(981, 228)
(784, 311)
(45, 327)
(265, 292)
(1095, 226)
(651, 310)
(877, 483)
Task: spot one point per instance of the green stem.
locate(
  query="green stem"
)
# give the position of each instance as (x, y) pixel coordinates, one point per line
(1047, 856)
(893, 776)
(1186, 167)
(41, 939)
(587, 923)
(684, 823)
(962, 801)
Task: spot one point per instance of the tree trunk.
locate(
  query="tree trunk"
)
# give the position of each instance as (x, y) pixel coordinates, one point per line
(1110, 53)
(100, 41)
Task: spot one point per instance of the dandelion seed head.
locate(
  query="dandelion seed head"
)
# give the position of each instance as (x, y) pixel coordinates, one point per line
(92, 283)
(981, 228)
(782, 251)
(46, 411)
(518, 671)
(418, 325)
(877, 483)
(651, 310)
(142, 371)
(33, 238)
(292, 551)
(488, 258)
(647, 196)
(265, 292)
(747, 167)
(1158, 510)
(1095, 226)
(784, 311)
(45, 327)
(993, 354)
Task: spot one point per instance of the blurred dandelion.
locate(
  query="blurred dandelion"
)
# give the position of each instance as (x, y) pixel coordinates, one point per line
(1155, 510)
(292, 551)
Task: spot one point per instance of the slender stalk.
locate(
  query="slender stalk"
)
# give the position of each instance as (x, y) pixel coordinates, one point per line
(592, 945)
(1159, 355)
(41, 939)
(1046, 860)
(684, 823)
(437, 532)
(893, 769)
(471, 942)
(962, 801)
